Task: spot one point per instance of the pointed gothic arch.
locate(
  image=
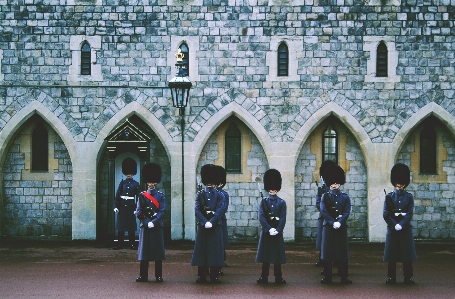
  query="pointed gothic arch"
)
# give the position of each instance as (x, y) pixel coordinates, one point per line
(242, 114)
(423, 113)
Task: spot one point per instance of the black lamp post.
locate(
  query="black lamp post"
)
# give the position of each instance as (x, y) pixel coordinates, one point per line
(180, 87)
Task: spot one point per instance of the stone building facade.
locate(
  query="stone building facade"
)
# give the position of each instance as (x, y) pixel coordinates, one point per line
(85, 68)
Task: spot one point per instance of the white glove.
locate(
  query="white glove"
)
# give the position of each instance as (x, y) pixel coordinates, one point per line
(208, 224)
(273, 232)
(150, 224)
(115, 210)
(336, 225)
(398, 227)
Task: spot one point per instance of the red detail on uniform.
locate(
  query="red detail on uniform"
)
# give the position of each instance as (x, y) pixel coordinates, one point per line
(152, 199)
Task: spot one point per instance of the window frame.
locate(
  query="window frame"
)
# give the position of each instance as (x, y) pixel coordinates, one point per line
(40, 148)
(326, 137)
(86, 64)
(235, 138)
(186, 58)
(283, 60)
(382, 60)
(428, 150)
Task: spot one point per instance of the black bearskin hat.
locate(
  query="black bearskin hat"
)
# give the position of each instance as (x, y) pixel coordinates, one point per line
(272, 180)
(209, 174)
(151, 173)
(334, 174)
(326, 164)
(400, 174)
(221, 174)
(129, 166)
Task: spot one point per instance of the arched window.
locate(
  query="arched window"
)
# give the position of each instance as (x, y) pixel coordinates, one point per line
(40, 148)
(330, 145)
(233, 150)
(381, 60)
(186, 58)
(283, 60)
(85, 59)
(428, 150)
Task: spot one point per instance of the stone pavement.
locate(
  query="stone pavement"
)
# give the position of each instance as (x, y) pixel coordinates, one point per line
(83, 269)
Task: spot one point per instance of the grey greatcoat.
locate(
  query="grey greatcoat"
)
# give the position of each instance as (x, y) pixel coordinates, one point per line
(321, 190)
(224, 219)
(271, 248)
(151, 240)
(334, 246)
(208, 247)
(399, 245)
(126, 221)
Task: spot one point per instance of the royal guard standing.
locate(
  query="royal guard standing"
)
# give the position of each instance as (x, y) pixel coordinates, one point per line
(335, 209)
(208, 253)
(125, 205)
(321, 190)
(272, 217)
(398, 211)
(150, 211)
(221, 183)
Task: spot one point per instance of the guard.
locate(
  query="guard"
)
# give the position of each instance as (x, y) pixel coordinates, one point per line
(321, 190)
(397, 213)
(272, 216)
(208, 253)
(221, 173)
(125, 205)
(335, 209)
(150, 211)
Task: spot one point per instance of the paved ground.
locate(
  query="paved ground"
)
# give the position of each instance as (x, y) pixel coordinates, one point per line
(91, 270)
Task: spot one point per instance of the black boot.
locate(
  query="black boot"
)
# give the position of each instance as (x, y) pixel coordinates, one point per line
(143, 272)
(121, 237)
(263, 279)
(391, 280)
(158, 270)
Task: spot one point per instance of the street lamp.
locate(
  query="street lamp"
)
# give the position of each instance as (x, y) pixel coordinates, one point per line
(180, 87)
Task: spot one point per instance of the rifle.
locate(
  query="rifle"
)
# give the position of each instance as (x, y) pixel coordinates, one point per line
(333, 211)
(322, 189)
(206, 210)
(271, 219)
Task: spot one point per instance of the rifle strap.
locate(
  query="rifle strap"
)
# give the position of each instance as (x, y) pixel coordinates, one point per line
(152, 199)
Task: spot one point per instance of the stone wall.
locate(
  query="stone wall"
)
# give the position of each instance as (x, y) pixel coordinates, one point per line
(233, 47)
(37, 208)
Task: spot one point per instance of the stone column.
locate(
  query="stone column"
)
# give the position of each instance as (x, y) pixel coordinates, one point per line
(285, 164)
(176, 191)
(380, 160)
(84, 192)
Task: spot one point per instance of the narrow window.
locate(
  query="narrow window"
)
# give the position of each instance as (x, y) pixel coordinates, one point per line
(330, 145)
(428, 150)
(40, 148)
(381, 60)
(85, 59)
(233, 149)
(186, 58)
(283, 60)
